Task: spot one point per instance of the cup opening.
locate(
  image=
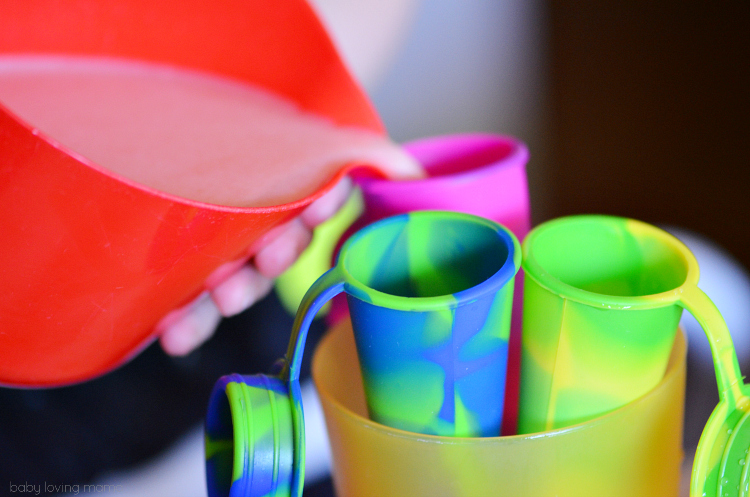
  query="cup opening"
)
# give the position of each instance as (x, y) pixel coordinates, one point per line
(219, 445)
(609, 256)
(426, 256)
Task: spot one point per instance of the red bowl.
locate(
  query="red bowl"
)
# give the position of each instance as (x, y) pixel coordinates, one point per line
(89, 261)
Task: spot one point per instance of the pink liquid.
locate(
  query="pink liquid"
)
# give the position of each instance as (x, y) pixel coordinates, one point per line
(188, 133)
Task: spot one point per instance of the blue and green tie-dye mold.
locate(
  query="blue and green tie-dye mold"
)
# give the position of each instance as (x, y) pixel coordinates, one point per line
(433, 366)
(249, 438)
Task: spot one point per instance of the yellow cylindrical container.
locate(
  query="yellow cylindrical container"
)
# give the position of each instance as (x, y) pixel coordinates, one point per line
(635, 450)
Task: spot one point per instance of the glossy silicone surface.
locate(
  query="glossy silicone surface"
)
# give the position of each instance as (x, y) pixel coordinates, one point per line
(479, 174)
(601, 303)
(633, 450)
(430, 294)
(89, 261)
(721, 461)
(249, 438)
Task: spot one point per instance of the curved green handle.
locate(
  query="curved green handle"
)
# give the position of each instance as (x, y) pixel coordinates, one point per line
(727, 368)
(723, 435)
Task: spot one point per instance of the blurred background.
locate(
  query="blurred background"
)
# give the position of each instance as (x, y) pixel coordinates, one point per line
(633, 108)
